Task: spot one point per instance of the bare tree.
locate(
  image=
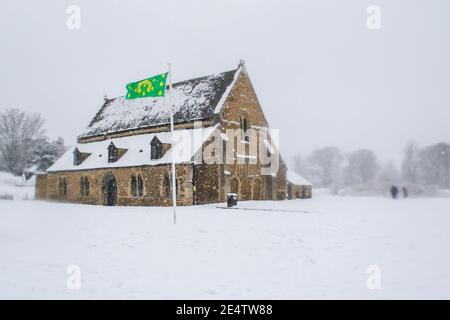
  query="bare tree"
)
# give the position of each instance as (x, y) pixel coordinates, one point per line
(18, 133)
(434, 165)
(362, 167)
(47, 152)
(410, 163)
(387, 176)
(326, 165)
(300, 165)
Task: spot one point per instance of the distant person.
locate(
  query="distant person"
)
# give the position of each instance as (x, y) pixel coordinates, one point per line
(394, 192)
(405, 192)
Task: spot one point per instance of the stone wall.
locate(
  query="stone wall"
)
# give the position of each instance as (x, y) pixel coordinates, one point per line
(242, 102)
(153, 186)
(299, 191)
(41, 187)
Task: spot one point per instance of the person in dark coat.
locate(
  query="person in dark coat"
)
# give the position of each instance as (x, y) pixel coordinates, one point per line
(394, 192)
(405, 192)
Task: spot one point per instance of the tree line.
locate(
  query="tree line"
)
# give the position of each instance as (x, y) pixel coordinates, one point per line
(24, 147)
(424, 171)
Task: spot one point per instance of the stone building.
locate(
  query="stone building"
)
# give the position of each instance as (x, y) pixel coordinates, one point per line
(297, 186)
(221, 144)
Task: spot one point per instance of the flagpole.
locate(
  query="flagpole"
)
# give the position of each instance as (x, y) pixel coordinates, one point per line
(174, 195)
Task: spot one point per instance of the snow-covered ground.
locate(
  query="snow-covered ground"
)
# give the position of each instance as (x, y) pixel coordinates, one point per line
(318, 248)
(16, 187)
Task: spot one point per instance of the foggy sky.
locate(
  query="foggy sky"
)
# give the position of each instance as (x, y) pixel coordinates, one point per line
(321, 76)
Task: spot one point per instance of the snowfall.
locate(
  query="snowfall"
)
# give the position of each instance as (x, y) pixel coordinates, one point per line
(323, 248)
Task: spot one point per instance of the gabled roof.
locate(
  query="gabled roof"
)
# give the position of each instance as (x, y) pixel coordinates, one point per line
(297, 179)
(155, 140)
(193, 99)
(188, 142)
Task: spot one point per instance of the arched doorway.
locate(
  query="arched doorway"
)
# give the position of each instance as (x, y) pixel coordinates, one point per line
(109, 190)
(257, 189)
(234, 185)
(289, 191)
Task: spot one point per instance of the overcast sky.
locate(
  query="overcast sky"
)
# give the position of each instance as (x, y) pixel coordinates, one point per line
(322, 77)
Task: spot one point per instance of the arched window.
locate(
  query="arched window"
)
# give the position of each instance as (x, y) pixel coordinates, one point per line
(84, 186)
(224, 151)
(62, 187)
(140, 186)
(178, 182)
(166, 186)
(112, 153)
(137, 186)
(133, 186)
(244, 129)
(181, 184)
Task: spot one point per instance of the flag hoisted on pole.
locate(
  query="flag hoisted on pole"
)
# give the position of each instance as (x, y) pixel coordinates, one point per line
(174, 195)
(150, 87)
(156, 87)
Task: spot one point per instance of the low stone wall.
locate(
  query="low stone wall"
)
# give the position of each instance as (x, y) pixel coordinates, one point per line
(47, 186)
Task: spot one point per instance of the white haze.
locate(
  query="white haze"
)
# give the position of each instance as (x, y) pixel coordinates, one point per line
(321, 76)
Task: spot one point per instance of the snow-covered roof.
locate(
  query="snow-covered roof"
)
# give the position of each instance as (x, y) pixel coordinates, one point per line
(187, 143)
(297, 179)
(193, 99)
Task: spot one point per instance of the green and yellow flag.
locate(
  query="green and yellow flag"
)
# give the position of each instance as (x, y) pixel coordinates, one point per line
(150, 87)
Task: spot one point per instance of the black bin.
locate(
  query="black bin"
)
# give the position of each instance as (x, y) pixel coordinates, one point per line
(231, 199)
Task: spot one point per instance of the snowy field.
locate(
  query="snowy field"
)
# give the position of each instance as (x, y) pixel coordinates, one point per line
(318, 248)
(16, 187)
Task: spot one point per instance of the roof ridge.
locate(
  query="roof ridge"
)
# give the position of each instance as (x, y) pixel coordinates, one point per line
(203, 77)
(176, 84)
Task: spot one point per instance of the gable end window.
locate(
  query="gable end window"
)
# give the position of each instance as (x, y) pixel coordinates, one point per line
(244, 129)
